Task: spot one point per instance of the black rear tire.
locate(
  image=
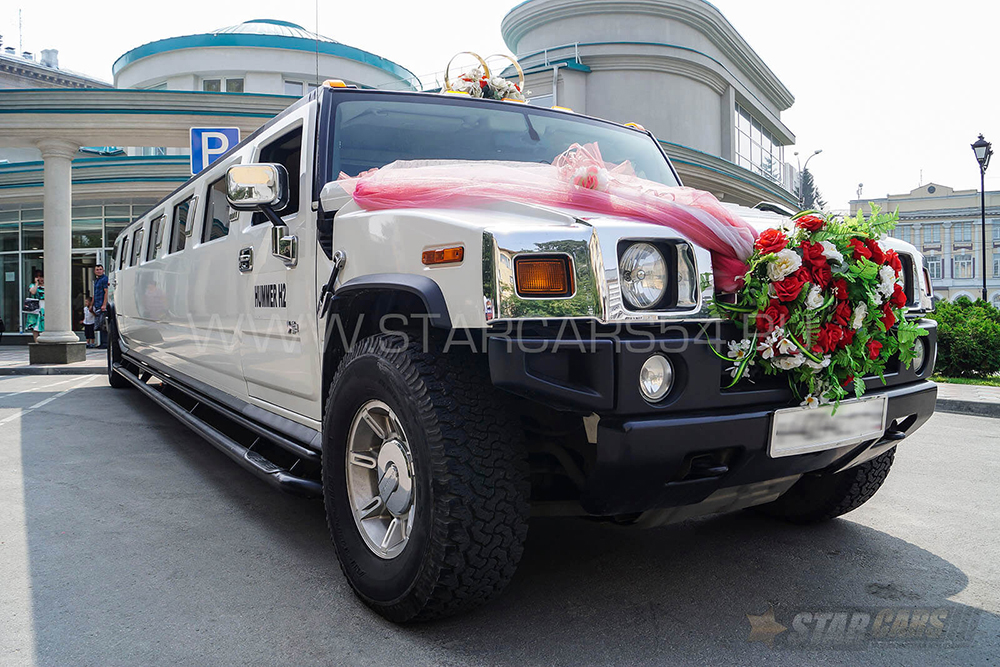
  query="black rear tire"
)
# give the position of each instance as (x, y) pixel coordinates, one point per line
(816, 498)
(470, 477)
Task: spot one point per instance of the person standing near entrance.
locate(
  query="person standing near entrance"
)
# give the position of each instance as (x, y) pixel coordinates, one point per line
(100, 303)
(89, 317)
(34, 320)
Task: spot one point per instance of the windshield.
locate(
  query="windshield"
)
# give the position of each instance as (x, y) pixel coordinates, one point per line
(370, 133)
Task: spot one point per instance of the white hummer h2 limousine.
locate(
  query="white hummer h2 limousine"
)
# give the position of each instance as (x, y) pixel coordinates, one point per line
(437, 375)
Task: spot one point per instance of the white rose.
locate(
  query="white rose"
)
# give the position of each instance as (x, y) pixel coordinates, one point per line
(887, 275)
(860, 312)
(815, 298)
(785, 263)
(788, 363)
(831, 253)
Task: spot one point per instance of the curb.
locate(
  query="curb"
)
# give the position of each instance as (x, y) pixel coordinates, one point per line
(52, 370)
(977, 408)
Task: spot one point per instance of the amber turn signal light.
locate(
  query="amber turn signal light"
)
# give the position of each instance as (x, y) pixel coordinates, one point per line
(543, 276)
(443, 256)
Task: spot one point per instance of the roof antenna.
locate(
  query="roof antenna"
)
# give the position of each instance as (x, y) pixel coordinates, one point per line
(20, 33)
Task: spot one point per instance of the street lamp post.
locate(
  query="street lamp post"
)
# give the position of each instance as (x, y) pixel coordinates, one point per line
(984, 151)
(802, 170)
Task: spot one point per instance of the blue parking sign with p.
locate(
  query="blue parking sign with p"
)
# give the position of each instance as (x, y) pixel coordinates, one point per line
(208, 144)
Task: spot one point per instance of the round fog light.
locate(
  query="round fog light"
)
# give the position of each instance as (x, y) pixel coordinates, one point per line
(919, 355)
(656, 377)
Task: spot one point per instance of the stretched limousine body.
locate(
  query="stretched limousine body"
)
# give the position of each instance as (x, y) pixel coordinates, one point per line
(410, 366)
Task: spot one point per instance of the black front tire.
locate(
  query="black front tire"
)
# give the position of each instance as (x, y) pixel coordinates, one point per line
(816, 498)
(470, 478)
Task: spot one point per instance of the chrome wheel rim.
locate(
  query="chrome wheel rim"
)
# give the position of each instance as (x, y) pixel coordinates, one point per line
(380, 481)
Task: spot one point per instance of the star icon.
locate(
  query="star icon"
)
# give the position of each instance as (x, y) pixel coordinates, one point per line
(764, 628)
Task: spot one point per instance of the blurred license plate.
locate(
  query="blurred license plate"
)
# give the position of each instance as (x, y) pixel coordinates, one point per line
(802, 430)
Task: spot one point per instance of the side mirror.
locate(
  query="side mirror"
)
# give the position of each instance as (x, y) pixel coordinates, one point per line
(259, 186)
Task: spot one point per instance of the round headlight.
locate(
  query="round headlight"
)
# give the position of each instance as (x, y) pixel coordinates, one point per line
(919, 354)
(644, 275)
(656, 378)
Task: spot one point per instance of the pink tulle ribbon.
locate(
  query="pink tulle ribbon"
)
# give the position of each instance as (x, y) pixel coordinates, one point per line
(577, 179)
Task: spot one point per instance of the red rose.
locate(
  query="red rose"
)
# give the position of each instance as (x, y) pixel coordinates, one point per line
(892, 259)
(775, 315)
(877, 255)
(849, 380)
(813, 223)
(847, 338)
(829, 336)
(789, 288)
(840, 286)
(874, 349)
(888, 317)
(821, 275)
(842, 314)
(770, 241)
(812, 254)
(860, 249)
(898, 298)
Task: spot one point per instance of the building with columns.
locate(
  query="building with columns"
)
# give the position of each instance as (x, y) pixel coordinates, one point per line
(78, 163)
(946, 226)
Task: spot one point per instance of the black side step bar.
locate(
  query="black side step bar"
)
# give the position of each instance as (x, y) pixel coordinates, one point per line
(250, 460)
(289, 445)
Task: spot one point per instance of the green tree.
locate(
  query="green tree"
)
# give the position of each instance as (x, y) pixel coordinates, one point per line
(811, 197)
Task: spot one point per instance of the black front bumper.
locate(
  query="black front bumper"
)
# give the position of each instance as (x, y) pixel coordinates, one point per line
(701, 437)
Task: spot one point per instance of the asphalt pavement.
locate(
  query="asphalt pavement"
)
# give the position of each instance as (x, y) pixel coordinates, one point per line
(126, 540)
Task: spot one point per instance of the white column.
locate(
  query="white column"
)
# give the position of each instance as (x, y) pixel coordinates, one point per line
(58, 155)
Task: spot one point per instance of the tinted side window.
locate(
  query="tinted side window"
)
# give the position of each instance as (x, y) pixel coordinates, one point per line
(122, 252)
(136, 247)
(180, 228)
(286, 151)
(156, 228)
(218, 215)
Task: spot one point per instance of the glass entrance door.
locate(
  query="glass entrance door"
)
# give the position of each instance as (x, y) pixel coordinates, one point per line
(82, 283)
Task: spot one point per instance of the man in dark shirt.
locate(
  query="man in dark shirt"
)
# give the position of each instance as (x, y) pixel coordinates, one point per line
(100, 302)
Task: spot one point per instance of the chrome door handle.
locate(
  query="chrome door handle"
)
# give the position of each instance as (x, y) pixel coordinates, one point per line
(246, 259)
(284, 246)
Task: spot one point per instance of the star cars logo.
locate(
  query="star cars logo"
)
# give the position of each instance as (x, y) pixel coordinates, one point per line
(854, 628)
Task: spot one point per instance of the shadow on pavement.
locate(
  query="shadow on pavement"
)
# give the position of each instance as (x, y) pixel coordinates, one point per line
(148, 546)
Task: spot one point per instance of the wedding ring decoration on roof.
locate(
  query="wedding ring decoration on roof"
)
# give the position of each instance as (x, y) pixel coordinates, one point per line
(480, 82)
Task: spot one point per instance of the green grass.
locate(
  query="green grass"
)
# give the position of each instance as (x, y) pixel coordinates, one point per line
(988, 382)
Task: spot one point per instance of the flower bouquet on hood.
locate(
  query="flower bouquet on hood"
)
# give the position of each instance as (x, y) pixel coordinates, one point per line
(823, 303)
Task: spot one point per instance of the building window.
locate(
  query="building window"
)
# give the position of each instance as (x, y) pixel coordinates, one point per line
(996, 265)
(756, 148)
(934, 267)
(932, 235)
(996, 230)
(962, 232)
(963, 267)
(234, 85)
(293, 88)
